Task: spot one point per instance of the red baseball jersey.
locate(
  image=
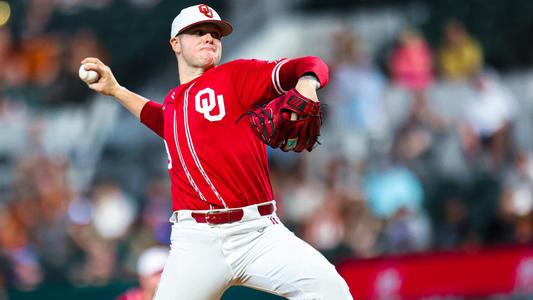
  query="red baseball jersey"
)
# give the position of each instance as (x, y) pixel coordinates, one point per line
(215, 160)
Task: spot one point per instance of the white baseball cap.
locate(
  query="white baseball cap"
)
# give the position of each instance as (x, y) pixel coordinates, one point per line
(198, 14)
(152, 260)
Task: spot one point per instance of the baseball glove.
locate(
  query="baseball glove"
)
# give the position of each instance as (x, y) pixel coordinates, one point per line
(290, 122)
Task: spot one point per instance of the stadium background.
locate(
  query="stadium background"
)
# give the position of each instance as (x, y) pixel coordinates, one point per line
(423, 186)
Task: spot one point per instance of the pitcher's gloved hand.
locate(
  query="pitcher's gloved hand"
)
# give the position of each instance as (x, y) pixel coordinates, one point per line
(290, 122)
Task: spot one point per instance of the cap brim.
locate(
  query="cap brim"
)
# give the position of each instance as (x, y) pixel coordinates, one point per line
(225, 27)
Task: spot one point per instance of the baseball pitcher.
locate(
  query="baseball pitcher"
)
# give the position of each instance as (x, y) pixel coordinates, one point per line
(215, 125)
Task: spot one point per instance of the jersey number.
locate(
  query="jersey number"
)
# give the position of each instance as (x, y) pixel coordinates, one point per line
(206, 101)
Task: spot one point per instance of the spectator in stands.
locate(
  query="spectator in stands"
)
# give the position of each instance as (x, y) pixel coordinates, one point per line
(149, 268)
(156, 207)
(356, 92)
(396, 194)
(324, 228)
(43, 54)
(151, 226)
(16, 78)
(407, 231)
(14, 122)
(113, 210)
(411, 69)
(363, 229)
(302, 194)
(358, 83)
(19, 252)
(515, 208)
(460, 55)
(411, 62)
(390, 188)
(488, 115)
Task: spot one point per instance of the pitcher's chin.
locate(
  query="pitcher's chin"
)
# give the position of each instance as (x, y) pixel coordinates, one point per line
(210, 61)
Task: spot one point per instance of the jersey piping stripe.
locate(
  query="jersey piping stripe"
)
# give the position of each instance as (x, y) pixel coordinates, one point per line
(182, 161)
(275, 77)
(191, 147)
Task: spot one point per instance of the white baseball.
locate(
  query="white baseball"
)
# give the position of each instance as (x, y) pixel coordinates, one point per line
(88, 76)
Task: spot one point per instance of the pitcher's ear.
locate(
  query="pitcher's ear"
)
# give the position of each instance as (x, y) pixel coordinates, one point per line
(176, 44)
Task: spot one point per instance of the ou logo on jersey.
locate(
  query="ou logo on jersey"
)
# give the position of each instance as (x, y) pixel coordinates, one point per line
(206, 101)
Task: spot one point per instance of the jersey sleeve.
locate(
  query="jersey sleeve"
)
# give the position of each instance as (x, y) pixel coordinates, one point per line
(152, 117)
(258, 81)
(293, 69)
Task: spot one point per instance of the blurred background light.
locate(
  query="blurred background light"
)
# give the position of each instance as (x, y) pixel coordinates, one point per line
(5, 13)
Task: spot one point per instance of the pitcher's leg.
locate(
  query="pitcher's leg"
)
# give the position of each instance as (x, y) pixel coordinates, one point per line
(195, 268)
(285, 265)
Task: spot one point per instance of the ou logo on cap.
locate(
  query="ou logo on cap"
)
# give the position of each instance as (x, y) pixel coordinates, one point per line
(206, 10)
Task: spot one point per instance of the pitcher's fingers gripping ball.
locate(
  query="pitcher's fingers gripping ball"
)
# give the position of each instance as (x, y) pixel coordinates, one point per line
(98, 76)
(88, 76)
(290, 122)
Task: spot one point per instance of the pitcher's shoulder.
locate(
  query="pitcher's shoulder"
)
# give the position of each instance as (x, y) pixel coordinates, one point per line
(172, 94)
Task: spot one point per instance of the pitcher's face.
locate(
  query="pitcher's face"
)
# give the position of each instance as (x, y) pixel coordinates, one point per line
(200, 46)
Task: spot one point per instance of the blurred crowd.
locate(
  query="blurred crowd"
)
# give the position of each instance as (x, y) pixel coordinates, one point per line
(53, 233)
(396, 172)
(39, 66)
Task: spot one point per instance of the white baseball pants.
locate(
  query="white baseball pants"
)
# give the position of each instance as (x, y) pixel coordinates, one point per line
(257, 252)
